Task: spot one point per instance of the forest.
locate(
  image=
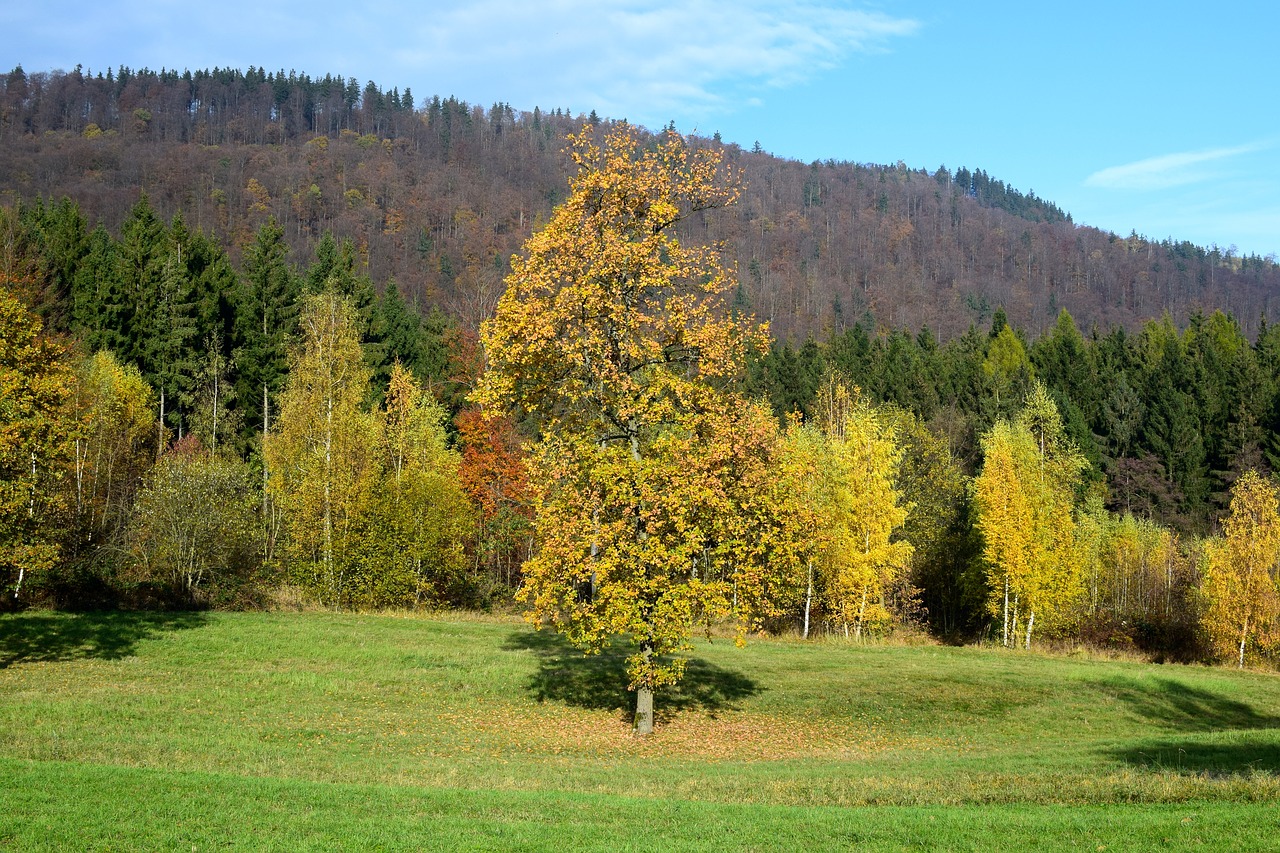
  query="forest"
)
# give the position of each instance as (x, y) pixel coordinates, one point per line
(249, 325)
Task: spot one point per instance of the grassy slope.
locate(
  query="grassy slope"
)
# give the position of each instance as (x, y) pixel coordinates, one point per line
(313, 730)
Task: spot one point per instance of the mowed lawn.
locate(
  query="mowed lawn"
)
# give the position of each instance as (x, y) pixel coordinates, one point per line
(328, 731)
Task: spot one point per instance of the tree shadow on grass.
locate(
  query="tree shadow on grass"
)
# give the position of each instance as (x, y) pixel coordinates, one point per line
(49, 637)
(1241, 755)
(599, 682)
(1173, 705)
(1247, 740)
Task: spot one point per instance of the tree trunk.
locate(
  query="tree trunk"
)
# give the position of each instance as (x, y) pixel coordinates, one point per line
(266, 427)
(1005, 623)
(160, 436)
(1244, 636)
(643, 723)
(808, 600)
(644, 710)
(1031, 620)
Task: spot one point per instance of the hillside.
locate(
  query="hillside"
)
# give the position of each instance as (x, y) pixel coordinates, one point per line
(438, 194)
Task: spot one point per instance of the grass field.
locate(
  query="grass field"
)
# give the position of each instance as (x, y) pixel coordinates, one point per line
(324, 731)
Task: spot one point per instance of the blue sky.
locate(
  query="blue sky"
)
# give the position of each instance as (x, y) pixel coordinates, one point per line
(1159, 118)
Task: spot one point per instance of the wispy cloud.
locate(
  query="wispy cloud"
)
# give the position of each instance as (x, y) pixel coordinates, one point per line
(1168, 170)
(646, 59)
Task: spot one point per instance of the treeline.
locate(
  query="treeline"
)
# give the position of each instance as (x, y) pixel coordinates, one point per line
(213, 435)
(176, 380)
(1169, 418)
(438, 194)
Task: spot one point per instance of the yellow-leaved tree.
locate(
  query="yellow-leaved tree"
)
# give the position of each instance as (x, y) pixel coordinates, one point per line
(320, 451)
(614, 341)
(34, 443)
(1242, 602)
(1025, 496)
(860, 510)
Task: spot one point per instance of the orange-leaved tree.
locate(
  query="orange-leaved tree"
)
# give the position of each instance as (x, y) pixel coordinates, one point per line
(613, 341)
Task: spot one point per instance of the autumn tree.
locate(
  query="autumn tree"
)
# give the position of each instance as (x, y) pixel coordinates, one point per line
(319, 451)
(193, 524)
(494, 475)
(859, 510)
(409, 536)
(34, 443)
(1025, 496)
(1240, 583)
(611, 338)
(799, 481)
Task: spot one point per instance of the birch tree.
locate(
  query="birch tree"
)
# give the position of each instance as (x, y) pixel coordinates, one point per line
(1240, 578)
(1025, 497)
(320, 449)
(861, 510)
(412, 528)
(34, 443)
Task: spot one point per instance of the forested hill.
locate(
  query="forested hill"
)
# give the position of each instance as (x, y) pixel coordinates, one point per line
(437, 194)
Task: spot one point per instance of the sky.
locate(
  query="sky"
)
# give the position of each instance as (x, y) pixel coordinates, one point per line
(1154, 117)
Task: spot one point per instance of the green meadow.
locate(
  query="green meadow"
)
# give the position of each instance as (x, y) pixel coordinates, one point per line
(290, 731)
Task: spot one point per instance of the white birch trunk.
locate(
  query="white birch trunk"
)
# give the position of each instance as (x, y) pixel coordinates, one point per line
(808, 600)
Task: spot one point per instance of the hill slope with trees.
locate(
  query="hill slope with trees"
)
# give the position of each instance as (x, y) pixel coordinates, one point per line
(437, 194)
(250, 303)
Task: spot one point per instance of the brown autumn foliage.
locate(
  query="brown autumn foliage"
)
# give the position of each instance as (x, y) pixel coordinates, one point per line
(439, 194)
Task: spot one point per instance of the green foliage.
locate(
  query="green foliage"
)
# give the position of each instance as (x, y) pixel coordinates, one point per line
(266, 324)
(193, 533)
(411, 530)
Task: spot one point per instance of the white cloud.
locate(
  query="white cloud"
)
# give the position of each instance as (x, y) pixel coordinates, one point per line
(1168, 170)
(643, 60)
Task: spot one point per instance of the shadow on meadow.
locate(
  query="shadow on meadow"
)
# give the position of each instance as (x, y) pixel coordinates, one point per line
(49, 637)
(1172, 705)
(599, 682)
(1240, 756)
(1250, 741)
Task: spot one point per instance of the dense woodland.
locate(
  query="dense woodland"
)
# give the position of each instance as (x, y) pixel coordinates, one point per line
(437, 195)
(198, 263)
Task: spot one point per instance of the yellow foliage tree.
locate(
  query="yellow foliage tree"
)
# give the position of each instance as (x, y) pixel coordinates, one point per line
(320, 449)
(34, 445)
(1242, 601)
(862, 509)
(1025, 498)
(800, 487)
(613, 339)
(115, 441)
